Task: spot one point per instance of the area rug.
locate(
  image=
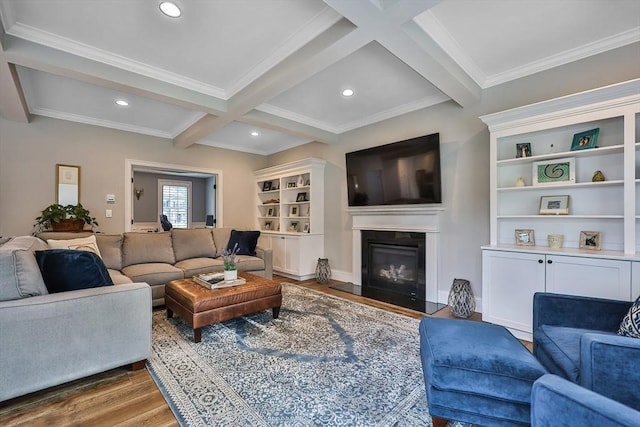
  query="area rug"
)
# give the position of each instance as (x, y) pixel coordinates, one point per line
(325, 361)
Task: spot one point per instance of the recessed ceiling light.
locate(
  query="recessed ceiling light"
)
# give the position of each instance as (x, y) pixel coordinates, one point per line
(348, 93)
(254, 133)
(170, 9)
(122, 103)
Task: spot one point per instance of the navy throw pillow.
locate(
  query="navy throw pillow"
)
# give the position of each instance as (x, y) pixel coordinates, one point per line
(246, 240)
(69, 270)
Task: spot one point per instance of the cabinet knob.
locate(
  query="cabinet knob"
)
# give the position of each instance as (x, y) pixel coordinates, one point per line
(549, 261)
(540, 261)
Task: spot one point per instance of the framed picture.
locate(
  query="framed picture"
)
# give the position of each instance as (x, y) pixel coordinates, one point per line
(525, 238)
(293, 227)
(523, 149)
(554, 172)
(266, 186)
(271, 212)
(584, 140)
(554, 205)
(306, 228)
(590, 240)
(302, 197)
(293, 211)
(267, 225)
(291, 184)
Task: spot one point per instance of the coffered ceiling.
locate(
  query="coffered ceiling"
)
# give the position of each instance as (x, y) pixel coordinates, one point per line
(227, 68)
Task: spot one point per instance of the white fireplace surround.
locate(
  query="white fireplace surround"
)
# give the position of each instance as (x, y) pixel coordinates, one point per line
(423, 219)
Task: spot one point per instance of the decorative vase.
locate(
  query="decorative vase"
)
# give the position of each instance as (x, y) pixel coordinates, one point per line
(520, 182)
(323, 271)
(461, 300)
(230, 275)
(300, 181)
(598, 176)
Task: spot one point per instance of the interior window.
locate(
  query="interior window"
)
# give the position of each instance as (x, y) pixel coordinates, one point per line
(175, 202)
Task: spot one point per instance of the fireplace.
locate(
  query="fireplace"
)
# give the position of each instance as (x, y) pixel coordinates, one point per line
(393, 267)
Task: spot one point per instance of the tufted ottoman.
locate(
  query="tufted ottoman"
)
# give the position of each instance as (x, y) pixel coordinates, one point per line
(476, 372)
(200, 307)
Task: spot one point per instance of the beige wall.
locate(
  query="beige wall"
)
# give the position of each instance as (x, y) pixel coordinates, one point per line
(29, 153)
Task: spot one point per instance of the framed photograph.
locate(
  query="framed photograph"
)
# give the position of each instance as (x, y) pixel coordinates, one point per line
(554, 172)
(523, 149)
(306, 228)
(293, 211)
(267, 225)
(525, 238)
(590, 240)
(271, 212)
(302, 197)
(293, 227)
(554, 205)
(584, 140)
(291, 184)
(266, 186)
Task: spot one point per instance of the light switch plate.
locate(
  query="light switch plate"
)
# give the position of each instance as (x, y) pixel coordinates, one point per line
(111, 198)
(108, 213)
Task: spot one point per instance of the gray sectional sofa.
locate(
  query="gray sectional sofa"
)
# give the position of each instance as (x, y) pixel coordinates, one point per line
(158, 258)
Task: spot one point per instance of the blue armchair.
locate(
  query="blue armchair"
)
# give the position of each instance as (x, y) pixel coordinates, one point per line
(558, 402)
(575, 338)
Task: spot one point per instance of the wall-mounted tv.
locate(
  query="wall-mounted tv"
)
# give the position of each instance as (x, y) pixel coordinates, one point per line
(404, 172)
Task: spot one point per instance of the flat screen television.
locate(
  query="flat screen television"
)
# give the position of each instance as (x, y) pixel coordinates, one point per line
(400, 173)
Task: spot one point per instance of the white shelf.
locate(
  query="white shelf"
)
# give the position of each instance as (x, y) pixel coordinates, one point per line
(600, 151)
(560, 217)
(617, 182)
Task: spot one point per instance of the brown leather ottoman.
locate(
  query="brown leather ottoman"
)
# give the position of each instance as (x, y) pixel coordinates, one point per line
(200, 307)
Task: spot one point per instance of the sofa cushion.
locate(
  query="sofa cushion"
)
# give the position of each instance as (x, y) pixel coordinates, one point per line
(193, 243)
(246, 241)
(82, 244)
(69, 270)
(110, 249)
(141, 248)
(154, 273)
(20, 276)
(193, 266)
(249, 263)
(221, 238)
(630, 326)
(117, 277)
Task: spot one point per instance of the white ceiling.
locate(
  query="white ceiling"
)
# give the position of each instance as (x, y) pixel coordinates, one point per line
(230, 67)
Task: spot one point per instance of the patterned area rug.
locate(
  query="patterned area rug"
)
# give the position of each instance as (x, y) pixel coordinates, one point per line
(325, 361)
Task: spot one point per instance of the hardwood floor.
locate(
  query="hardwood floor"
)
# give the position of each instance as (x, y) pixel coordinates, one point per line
(126, 398)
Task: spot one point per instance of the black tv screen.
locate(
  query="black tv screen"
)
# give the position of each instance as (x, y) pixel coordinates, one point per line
(404, 172)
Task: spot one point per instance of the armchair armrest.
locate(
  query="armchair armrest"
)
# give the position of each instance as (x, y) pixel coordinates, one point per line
(609, 366)
(267, 256)
(556, 402)
(578, 312)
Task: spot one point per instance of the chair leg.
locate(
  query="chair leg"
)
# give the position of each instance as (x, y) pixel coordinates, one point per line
(438, 422)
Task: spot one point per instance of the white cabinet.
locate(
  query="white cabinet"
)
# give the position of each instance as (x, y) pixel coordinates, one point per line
(510, 278)
(294, 256)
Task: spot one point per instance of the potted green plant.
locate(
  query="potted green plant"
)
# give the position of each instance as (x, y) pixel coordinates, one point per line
(64, 218)
(229, 260)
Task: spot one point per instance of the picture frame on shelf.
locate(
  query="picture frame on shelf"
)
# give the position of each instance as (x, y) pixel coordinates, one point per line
(585, 140)
(293, 211)
(302, 197)
(554, 205)
(523, 149)
(554, 172)
(525, 237)
(291, 184)
(271, 212)
(266, 186)
(267, 225)
(590, 240)
(306, 228)
(293, 227)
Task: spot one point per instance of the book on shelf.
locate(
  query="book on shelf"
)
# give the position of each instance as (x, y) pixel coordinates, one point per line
(216, 281)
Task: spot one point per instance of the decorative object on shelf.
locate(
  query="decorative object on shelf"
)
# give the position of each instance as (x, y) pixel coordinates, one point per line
(590, 240)
(307, 182)
(293, 227)
(64, 218)
(598, 176)
(270, 212)
(554, 205)
(291, 184)
(323, 271)
(520, 182)
(302, 197)
(585, 140)
(267, 225)
(523, 149)
(555, 241)
(271, 201)
(293, 211)
(138, 192)
(300, 181)
(229, 260)
(306, 228)
(525, 238)
(554, 172)
(551, 150)
(267, 186)
(461, 301)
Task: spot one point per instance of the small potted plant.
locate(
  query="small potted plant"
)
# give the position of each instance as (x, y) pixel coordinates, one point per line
(229, 260)
(64, 218)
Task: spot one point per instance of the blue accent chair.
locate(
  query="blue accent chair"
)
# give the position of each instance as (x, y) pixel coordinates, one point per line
(558, 402)
(576, 338)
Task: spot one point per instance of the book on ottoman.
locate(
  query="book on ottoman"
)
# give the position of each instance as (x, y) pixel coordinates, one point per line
(216, 281)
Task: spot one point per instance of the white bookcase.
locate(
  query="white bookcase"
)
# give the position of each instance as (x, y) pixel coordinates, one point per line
(290, 214)
(611, 207)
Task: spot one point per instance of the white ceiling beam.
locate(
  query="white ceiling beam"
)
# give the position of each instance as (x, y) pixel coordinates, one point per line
(410, 44)
(339, 41)
(13, 105)
(290, 127)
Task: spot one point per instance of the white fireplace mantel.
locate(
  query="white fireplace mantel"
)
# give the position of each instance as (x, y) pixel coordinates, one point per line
(423, 219)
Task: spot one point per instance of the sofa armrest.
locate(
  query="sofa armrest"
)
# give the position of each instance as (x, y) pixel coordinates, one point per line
(558, 402)
(267, 256)
(52, 339)
(609, 366)
(578, 312)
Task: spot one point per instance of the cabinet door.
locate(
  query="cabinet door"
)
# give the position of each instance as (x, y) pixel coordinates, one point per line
(592, 277)
(278, 244)
(509, 280)
(292, 256)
